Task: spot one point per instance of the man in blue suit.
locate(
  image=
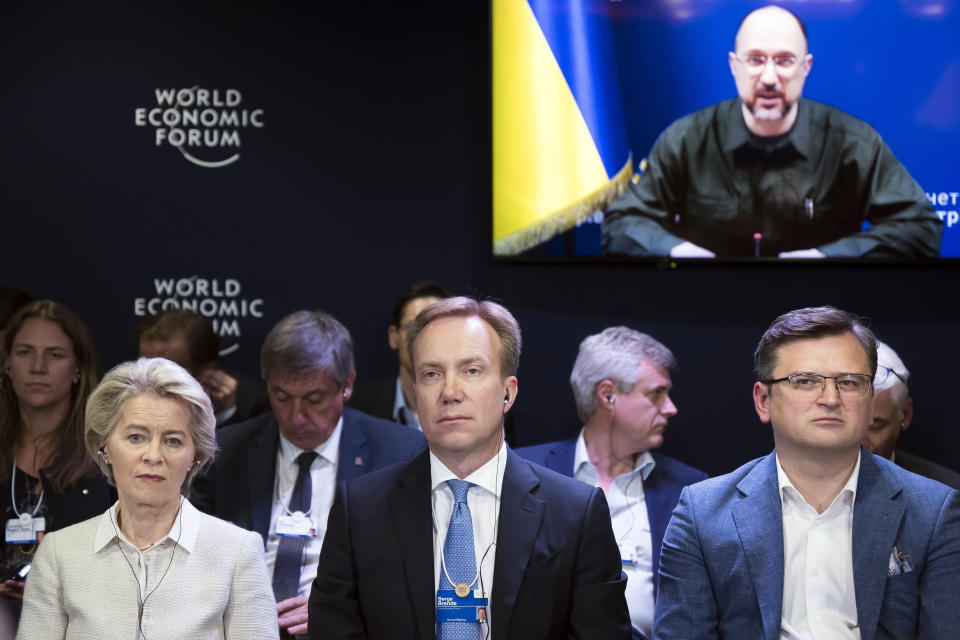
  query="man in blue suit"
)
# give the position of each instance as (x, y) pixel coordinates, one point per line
(821, 538)
(621, 385)
(469, 540)
(277, 474)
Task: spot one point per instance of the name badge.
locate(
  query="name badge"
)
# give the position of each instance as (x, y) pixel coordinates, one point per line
(297, 525)
(25, 529)
(453, 608)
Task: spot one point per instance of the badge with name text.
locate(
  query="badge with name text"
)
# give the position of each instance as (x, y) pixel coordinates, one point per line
(25, 529)
(452, 607)
(297, 525)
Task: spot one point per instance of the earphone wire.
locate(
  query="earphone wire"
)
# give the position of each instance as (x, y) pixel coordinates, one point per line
(626, 489)
(141, 601)
(496, 520)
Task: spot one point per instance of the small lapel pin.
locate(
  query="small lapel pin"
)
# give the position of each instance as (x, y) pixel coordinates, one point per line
(358, 461)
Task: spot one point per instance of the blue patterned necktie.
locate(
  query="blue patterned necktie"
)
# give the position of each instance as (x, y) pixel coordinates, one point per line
(286, 569)
(460, 560)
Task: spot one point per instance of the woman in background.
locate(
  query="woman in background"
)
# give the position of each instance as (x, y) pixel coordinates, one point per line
(152, 566)
(47, 479)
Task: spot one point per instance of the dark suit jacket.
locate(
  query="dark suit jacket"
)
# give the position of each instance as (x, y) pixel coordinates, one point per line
(661, 490)
(556, 573)
(924, 467)
(721, 572)
(238, 486)
(375, 397)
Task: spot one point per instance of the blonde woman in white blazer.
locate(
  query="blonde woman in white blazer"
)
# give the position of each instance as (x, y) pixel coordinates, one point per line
(152, 567)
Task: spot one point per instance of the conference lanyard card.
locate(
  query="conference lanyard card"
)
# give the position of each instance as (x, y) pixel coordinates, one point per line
(296, 525)
(25, 529)
(453, 608)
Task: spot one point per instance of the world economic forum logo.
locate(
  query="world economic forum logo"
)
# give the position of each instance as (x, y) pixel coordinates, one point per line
(219, 300)
(204, 125)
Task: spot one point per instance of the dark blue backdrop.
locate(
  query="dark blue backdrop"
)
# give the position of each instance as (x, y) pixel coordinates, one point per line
(372, 171)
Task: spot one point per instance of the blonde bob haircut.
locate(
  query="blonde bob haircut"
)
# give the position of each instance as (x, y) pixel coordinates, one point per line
(156, 377)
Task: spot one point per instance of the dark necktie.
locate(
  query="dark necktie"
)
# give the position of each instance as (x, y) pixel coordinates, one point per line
(286, 569)
(459, 560)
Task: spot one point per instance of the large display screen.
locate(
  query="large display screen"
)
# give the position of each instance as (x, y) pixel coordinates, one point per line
(582, 91)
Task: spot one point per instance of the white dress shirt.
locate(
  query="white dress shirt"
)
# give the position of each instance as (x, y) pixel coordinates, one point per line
(819, 602)
(410, 417)
(484, 503)
(323, 481)
(631, 528)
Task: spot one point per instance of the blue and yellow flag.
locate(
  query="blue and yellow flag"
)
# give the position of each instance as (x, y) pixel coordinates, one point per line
(559, 145)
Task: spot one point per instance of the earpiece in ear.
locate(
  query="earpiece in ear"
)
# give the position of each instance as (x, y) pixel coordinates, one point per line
(610, 399)
(506, 398)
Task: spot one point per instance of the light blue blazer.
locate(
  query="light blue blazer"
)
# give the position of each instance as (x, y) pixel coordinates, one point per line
(721, 570)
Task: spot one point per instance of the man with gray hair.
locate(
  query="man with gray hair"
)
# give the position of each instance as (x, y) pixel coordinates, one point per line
(892, 413)
(276, 474)
(621, 385)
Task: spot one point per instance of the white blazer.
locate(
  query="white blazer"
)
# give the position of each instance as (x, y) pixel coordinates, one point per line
(210, 578)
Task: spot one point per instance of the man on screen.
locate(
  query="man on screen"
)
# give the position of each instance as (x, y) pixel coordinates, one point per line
(770, 173)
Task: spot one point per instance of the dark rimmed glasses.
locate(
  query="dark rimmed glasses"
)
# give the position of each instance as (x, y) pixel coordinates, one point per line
(851, 385)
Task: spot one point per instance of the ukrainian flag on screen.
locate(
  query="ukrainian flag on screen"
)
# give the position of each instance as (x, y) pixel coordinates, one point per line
(559, 145)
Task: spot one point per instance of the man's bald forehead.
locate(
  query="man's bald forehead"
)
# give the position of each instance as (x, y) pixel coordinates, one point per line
(767, 11)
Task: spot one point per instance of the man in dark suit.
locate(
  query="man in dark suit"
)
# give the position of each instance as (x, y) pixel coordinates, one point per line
(469, 540)
(189, 340)
(893, 413)
(621, 385)
(394, 399)
(819, 539)
(277, 474)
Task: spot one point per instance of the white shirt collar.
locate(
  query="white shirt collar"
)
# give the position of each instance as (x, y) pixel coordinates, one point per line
(329, 450)
(183, 532)
(489, 475)
(851, 487)
(644, 464)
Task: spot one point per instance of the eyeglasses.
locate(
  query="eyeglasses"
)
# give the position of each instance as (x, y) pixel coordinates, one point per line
(756, 63)
(850, 385)
(884, 373)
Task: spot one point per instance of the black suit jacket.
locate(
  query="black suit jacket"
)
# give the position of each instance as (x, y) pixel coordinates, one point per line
(928, 469)
(375, 397)
(556, 573)
(238, 486)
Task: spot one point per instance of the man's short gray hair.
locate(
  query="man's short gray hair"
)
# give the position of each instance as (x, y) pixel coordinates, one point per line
(159, 378)
(615, 354)
(308, 341)
(887, 357)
